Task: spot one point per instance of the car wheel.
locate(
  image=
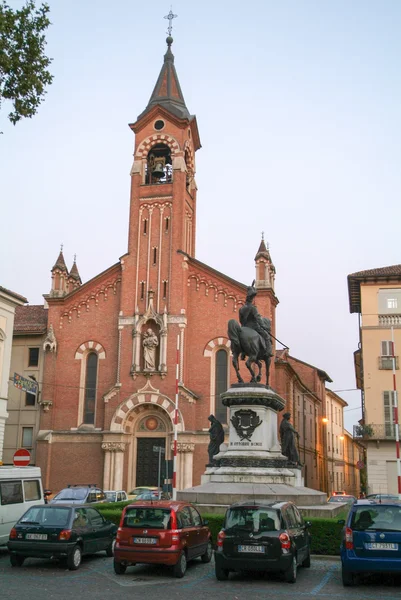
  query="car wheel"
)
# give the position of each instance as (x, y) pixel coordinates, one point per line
(290, 575)
(207, 557)
(348, 578)
(119, 568)
(306, 562)
(16, 560)
(110, 548)
(181, 566)
(74, 559)
(221, 574)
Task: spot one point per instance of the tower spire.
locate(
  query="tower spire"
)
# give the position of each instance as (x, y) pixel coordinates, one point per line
(265, 270)
(167, 91)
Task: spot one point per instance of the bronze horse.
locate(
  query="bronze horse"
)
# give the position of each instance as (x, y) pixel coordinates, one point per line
(248, 342)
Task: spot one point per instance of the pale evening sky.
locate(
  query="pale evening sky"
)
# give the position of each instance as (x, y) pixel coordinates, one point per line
(298, 107)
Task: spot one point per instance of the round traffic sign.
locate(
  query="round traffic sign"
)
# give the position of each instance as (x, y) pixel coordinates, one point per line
(22, 458)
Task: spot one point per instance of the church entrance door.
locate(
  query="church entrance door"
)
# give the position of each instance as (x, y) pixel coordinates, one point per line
(147, 461)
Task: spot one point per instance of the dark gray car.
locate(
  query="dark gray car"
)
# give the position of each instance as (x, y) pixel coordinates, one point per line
(268, 536)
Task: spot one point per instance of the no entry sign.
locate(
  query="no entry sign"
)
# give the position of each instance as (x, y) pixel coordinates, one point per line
(22, 458)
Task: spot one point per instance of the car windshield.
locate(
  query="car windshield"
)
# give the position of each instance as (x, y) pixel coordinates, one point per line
(341, 499)
(50, 516)
(256, 519)
(154, 518)
(376, 518)
(72, 494)
(139, 490)
(111, 496)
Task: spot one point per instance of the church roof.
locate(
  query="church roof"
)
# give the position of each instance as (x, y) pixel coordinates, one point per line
(392, 272)
(13, 294)
(167, 91)
(30, 319)
(60, 263)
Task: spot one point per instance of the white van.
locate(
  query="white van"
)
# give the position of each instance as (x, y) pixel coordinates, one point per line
(20, 488)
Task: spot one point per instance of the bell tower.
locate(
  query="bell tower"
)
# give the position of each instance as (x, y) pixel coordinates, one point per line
(163, 198)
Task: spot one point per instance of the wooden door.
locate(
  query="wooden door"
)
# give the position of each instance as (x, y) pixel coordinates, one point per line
(147, 461)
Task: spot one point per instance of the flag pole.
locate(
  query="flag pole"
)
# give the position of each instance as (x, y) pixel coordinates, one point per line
(177, 367)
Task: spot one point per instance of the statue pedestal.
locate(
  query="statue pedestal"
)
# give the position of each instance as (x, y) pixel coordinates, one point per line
(251, 464)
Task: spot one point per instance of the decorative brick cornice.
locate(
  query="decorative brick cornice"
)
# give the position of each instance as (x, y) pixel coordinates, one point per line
(84, 304)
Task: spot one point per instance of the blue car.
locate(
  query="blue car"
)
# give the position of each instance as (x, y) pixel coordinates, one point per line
(371, 540)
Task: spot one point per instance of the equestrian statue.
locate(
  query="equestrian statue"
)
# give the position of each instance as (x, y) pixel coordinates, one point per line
(251, 339)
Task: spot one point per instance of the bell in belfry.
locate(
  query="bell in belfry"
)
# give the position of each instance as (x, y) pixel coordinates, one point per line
(158, 164)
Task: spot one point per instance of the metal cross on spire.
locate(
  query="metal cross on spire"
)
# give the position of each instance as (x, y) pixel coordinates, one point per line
(170, 17)
(263, 235)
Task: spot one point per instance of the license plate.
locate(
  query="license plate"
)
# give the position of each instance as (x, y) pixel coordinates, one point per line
(36, 536)
(381, 546)
(257, 549)
(145, 540)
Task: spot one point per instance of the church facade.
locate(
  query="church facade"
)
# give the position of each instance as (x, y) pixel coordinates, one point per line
(108, 397)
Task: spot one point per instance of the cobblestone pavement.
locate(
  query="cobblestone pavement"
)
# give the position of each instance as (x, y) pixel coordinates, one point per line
(44, 579)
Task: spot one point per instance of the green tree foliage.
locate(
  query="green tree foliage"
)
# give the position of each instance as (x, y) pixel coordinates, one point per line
(23, 63)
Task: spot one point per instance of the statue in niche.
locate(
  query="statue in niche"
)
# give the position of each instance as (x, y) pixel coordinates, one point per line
(150, 343)
(287, 437)
(216, 433)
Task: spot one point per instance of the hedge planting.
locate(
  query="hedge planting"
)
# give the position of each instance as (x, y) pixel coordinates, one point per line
(325, 533)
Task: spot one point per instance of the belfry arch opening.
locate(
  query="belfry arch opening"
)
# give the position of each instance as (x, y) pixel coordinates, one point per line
(159, 167)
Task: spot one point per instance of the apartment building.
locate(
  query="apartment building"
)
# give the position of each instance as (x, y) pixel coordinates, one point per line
(375, 295)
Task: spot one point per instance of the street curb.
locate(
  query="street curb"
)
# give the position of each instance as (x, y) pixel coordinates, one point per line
(325, 557)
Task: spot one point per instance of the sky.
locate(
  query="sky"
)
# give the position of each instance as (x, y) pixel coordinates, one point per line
(298, 108)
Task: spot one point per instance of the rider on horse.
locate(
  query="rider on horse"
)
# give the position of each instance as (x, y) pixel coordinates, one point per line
(249, 317)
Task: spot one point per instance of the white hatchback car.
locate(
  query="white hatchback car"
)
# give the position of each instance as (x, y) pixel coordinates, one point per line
(115, 495)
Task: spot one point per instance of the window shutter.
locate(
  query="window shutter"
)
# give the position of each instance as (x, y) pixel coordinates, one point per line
(386, 348)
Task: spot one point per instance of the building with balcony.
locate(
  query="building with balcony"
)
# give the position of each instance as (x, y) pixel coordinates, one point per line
(27, 358)
(9, 301)
(375, 295)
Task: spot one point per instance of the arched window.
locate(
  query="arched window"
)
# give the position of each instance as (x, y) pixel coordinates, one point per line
(90, 389)
(220, 411)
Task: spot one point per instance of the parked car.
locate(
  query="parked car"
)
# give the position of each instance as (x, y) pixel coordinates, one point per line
(61, 531)
(79, 494)
(115, 495)
(151, 495)
(166, 532)
(384, 497)
(20, 488)
(140, 490)
(264, 536)
(371, 540)
(344, 499)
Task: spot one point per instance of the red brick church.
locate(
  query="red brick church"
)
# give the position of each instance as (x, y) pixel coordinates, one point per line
(110, 363)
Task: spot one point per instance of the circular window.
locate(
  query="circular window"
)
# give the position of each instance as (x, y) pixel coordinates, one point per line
(159, 125)
(151, 423)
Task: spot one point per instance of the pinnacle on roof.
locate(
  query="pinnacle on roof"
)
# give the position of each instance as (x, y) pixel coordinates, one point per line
(60, 262)
(74, 273)
(167, 91)
(263, 250)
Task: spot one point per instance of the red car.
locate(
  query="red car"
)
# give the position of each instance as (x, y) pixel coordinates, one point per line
(165, 532)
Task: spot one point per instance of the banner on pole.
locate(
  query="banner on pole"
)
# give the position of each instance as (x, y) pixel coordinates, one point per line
(26, 385)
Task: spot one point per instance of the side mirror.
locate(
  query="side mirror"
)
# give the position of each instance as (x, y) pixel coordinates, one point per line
(341, 521)
(205, 522)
